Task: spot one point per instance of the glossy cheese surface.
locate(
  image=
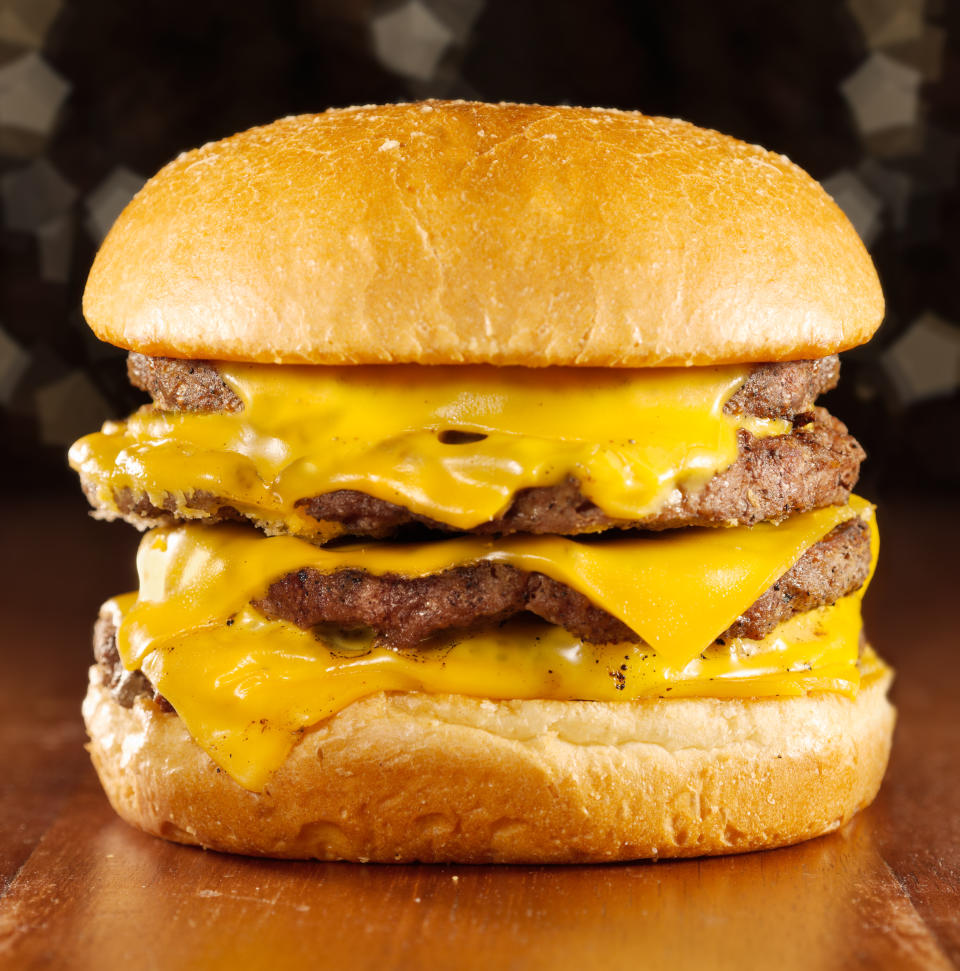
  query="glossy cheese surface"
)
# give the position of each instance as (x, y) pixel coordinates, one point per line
(450, 443)
(246, 687)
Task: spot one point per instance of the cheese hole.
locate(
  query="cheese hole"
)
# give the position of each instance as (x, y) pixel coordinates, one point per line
(450, 436)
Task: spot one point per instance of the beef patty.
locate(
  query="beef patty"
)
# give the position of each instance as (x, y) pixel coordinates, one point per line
(404, 612)
(124, 685)
(778, 390)
(816, 465)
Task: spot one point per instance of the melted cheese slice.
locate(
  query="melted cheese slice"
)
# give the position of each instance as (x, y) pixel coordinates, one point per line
(630, 437)
(246, 687)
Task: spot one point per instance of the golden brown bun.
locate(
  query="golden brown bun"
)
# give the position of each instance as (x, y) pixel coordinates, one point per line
(399, 777)
(452, 232)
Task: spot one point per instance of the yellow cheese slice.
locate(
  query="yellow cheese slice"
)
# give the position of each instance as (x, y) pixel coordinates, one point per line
(630, 437)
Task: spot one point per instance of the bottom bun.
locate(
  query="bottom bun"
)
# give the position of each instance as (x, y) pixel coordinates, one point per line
(442, 778)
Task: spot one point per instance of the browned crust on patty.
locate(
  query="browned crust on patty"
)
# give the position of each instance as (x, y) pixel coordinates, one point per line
(816, 465)
(404, 611)
(784, 389)
(776, 390)
(124, 685)
(177, 385)
(836, 566)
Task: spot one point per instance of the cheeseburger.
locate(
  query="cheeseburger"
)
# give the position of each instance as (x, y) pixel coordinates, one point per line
(489, 515)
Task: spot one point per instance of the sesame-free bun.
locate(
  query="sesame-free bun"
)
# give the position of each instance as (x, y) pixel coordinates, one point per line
(456, 232)
(444, 778)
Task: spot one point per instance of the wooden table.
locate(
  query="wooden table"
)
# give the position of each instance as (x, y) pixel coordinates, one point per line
(82, 890)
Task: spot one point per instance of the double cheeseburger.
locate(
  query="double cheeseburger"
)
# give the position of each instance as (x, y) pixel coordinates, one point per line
(489, 515)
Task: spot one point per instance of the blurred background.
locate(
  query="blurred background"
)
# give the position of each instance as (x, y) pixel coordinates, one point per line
(96, 95)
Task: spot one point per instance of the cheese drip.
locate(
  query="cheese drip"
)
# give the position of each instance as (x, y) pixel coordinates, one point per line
(247, 687)
(630, 437)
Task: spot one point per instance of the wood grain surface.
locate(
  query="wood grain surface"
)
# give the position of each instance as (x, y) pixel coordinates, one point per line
(83, 890)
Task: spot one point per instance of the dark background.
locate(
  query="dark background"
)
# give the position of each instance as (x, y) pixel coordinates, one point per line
(95, 96)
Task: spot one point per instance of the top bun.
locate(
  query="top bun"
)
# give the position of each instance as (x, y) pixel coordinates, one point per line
(457, 232)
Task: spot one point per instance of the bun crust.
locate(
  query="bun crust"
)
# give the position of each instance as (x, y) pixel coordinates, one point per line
(457, 232)
(403, 777)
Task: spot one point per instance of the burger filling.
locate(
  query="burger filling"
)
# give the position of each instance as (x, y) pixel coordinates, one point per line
(252, 640)
(320, 452)
(770, 390)
(816, 465)
(404, 611)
